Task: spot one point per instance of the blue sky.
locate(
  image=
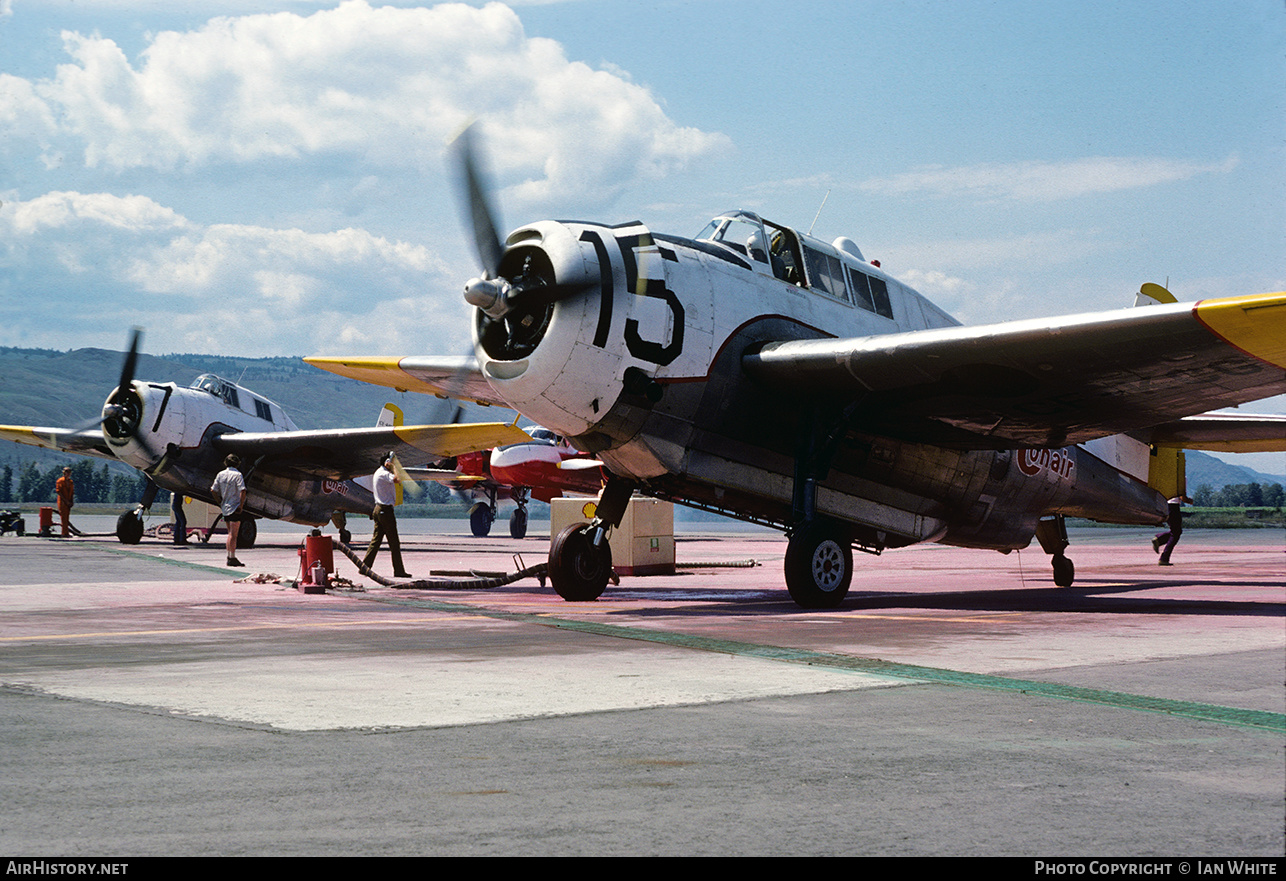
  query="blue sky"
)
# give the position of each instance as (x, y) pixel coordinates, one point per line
(267, 178)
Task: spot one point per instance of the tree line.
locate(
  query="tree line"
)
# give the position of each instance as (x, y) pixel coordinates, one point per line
(93, 485)
(1240, 495)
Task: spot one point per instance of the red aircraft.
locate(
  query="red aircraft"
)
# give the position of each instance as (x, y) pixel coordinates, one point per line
(543, 468)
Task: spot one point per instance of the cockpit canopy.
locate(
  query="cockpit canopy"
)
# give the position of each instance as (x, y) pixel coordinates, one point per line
(231, 393)
(836, 270)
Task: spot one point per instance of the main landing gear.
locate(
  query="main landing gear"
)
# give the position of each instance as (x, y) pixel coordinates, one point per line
(819, 565)
(1051, 532)
(819, 555)
(129, 526)
(340, 520)
(518, 519)
(580, 559)
(483, 514)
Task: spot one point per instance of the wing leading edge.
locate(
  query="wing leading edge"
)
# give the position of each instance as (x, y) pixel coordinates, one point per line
(85, 442)
(1049, 382)
(345, 453)
(448, 377)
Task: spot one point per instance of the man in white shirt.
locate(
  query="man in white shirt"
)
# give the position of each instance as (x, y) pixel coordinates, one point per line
(384, 487)
(229, 488)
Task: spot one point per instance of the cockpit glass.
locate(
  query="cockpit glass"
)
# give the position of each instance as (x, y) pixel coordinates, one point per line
(208, 382)
(711, 231)
(742, 233)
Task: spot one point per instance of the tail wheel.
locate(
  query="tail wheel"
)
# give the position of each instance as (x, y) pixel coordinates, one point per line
(247, 533)
(579, 571)
(819, 566)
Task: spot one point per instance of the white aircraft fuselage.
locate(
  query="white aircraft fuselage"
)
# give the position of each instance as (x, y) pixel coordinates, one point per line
(647, 369)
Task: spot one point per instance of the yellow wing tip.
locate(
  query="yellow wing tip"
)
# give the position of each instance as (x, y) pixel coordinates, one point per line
(1255, 324)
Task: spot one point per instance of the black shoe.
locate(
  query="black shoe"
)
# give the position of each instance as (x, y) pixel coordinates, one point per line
(403, 575)
(233, 561)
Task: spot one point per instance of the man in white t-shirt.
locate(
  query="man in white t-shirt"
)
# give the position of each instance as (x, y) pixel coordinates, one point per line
(229, 488)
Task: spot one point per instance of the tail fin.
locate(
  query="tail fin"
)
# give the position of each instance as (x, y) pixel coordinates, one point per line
(1151, 294)
(390, 416)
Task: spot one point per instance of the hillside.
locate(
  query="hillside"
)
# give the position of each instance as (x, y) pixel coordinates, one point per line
(63, 389)
(1204, 468)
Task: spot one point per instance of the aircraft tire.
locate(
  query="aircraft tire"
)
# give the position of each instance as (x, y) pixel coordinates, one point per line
(579, 571)
(480, 519)
(129, 528)
(1064, 571)
(819, 566)
(518, 524)
(247, 534)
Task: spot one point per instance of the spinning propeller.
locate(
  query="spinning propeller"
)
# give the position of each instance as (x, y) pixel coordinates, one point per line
(518, 288)
(122, 416)
(124, 409)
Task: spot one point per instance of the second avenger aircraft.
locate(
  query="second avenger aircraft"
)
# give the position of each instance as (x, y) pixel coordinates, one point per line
(178, 437)
(768, 375)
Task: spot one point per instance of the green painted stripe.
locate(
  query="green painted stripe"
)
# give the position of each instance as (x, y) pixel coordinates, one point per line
(1256, 719)
(1263, 720)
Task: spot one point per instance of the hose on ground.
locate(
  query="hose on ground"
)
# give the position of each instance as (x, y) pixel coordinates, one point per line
(477, 583)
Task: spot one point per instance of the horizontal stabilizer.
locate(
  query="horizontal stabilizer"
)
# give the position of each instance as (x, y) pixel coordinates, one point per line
(1222, 433)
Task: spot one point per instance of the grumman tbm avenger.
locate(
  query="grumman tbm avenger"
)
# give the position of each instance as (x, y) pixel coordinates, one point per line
(759, 372)
(178, 437)
(544, 467)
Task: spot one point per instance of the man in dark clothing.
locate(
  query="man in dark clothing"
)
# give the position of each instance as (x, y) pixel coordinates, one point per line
(1174, 519)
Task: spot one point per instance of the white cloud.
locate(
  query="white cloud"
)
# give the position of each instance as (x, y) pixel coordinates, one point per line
(93, 264)
(1044, 181)
(384, 84)
(62, 210)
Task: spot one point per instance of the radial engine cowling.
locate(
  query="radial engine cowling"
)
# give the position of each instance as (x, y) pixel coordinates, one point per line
(535, 340)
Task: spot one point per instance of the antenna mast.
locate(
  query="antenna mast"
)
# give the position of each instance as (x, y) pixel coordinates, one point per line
(819, 212)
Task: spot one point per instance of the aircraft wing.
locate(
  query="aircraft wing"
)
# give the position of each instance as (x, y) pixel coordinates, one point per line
(442, 475)
(458, 377)
(349, 452)
(83, 442)
(1047, 382)
(1222, 433)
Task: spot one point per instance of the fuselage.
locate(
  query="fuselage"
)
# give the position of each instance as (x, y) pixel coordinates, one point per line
(638, 359)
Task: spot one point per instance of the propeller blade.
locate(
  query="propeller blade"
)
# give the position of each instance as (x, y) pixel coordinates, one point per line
(408, 482)
(474, 187)
(131, 359)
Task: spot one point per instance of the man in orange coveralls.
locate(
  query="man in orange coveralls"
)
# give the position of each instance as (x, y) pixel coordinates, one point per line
(66, 492)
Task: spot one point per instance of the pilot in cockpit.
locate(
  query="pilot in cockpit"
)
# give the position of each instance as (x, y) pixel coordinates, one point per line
(783, 262)
(757, 251)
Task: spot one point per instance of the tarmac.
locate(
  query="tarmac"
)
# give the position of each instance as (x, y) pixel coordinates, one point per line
(957, 703)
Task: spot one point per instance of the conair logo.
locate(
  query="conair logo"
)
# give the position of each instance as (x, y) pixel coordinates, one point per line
(1056, 462)
(334, 486)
